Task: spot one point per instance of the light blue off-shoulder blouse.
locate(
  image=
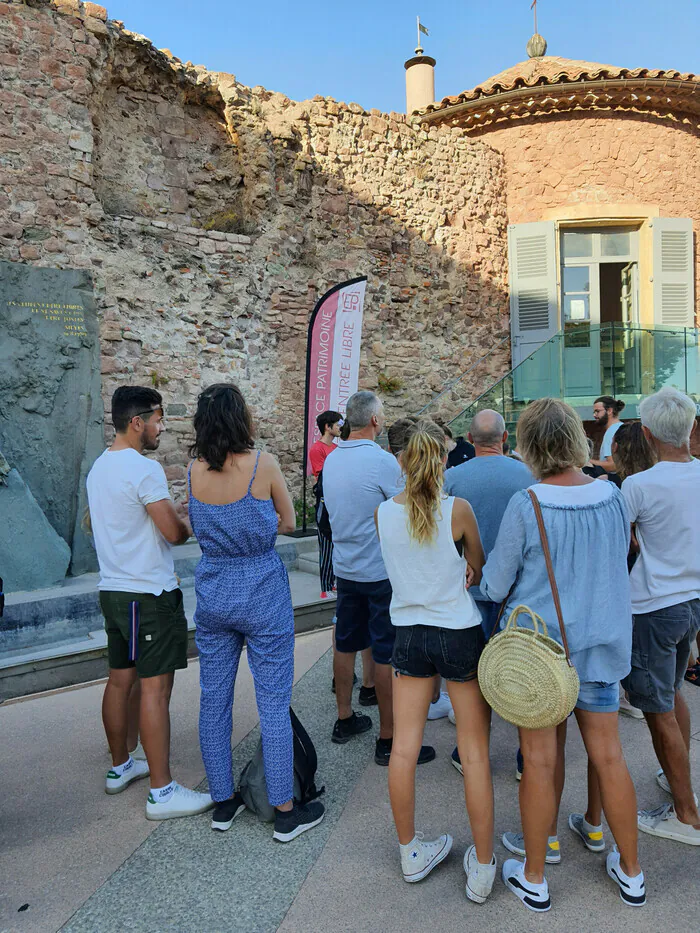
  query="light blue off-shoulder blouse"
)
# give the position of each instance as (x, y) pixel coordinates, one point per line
(589, 545)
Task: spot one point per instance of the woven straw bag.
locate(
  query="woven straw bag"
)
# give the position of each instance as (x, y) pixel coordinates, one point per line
(526, 676)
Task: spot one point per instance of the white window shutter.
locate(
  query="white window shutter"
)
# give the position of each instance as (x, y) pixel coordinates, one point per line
(674, 291)
(534, 314)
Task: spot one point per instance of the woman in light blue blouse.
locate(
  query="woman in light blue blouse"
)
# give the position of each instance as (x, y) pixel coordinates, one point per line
(588, 533)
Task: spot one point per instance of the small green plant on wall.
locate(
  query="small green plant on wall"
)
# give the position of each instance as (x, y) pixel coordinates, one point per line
(389, 385)
(158, 380)
(299, 512)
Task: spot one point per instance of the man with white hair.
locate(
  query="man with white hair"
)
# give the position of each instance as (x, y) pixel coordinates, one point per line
(355, 481)
(664, 504)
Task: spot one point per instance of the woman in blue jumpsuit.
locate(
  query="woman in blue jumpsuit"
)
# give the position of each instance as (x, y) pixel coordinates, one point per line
(238, 503)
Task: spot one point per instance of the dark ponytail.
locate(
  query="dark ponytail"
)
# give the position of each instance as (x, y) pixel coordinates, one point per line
(607, 401)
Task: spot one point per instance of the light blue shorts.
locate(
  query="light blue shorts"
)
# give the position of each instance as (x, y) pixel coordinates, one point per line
(596, 697)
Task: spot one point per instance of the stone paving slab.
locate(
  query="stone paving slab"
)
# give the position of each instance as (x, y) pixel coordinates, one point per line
(185, 877)
(356, 885)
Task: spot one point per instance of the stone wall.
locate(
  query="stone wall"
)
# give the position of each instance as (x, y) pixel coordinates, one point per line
(601, 158)
(212, 216)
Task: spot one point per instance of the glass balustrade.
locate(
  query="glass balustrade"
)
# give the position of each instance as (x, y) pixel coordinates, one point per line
(585, 361)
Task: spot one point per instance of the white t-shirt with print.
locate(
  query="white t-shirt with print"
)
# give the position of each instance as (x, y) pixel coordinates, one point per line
(665, 504)
(134, 556)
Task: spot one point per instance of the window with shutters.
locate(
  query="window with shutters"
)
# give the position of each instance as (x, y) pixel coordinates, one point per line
(673, 283)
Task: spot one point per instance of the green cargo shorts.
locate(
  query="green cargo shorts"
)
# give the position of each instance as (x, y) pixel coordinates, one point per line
(162, 638)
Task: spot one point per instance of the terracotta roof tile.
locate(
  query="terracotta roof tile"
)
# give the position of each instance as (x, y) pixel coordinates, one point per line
(550, 70)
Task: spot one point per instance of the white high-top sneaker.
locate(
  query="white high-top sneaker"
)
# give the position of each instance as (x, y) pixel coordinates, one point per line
(480, 878)
(419, 858)
(116, 783)
(182, 802)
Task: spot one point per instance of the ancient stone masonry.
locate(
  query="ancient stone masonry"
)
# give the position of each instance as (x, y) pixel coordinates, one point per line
(212, 216)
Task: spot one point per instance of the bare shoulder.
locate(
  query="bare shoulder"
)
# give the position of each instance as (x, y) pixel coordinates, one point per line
(268, 462)
(461, 507)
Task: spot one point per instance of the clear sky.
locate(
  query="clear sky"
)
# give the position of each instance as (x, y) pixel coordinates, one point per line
(355, 51)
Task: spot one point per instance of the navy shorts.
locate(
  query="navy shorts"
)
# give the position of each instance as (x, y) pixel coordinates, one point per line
(426, 650)
(363, 619)
(661, 644)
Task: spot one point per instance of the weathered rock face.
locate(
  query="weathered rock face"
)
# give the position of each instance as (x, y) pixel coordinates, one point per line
(212, 216)
(32, 555)
(50, 401)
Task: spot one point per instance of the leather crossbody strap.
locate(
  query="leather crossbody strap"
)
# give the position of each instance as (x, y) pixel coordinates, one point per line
(550, 571)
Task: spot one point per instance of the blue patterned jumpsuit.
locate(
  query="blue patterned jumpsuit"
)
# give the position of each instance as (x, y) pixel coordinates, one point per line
(242, 592)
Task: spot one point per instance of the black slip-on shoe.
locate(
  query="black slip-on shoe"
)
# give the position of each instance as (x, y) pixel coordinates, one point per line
(345, 729)
(296, 821)
(226, 812)
(382, 753)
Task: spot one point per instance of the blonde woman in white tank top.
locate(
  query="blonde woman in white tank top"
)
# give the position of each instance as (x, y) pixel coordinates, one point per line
(426, 540)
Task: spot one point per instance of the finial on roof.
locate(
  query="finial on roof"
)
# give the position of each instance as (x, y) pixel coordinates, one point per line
(537, 46)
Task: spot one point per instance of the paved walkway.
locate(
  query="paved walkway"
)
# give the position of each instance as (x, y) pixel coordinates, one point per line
(85, 862)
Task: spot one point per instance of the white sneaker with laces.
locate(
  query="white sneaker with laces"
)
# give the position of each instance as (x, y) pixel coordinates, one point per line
(480, 878)
(662, 781)
(534, 896)
(116, 783)
(663, 822)
(441, 708)
(629, 710)
(419, 858)
(182, 802)
(632, 890)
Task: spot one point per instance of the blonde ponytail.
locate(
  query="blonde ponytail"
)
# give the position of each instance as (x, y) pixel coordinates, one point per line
(424, 469)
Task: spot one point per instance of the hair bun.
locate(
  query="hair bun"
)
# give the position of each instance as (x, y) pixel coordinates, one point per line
(619, 405)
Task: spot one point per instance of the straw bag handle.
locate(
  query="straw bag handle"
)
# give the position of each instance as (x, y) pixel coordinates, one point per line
(550, 572)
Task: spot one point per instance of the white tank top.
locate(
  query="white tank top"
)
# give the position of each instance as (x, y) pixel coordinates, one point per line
(428, 580)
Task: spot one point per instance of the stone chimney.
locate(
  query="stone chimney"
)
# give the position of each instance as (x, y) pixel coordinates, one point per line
(420, 81)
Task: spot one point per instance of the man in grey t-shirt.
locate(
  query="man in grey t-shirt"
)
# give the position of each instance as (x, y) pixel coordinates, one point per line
(355, 481)
(488, 482)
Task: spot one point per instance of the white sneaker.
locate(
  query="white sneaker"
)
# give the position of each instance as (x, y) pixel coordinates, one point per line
(534, 896)
(419, 858)
(115, 784)
(138, 753)
(182, 802)
(451, 717)
(629, 710)
(662, 781)
(480, 878)
(663, 822)
(632, 890)
(441, 707)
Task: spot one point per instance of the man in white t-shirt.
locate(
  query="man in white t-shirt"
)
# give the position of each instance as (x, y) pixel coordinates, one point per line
(664, 504)
(606, 410)
(134, 524)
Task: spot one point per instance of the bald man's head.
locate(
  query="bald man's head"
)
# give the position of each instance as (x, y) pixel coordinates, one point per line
(487, 429)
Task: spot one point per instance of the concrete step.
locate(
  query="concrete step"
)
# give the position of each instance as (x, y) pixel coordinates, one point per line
(308, 564)
(55, 638)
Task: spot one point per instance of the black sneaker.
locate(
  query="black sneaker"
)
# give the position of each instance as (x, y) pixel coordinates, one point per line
(296, 821)
(354, 681)
(382, 752)
(368, 696)
(345, 729)
(226, 812)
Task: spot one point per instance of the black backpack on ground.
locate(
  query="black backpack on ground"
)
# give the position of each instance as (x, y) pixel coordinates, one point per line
(253, 788)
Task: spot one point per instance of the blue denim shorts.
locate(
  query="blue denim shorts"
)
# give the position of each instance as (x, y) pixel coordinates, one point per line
(596, 697)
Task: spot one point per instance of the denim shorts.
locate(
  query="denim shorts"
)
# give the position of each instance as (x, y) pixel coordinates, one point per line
(598, 697)
(426, 650)
(363, 618)
(661, 644)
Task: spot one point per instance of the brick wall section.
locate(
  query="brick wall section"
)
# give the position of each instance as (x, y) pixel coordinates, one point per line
(114, 158)
(598, 159)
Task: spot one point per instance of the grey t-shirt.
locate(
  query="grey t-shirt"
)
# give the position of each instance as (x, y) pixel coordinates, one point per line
(355, 482)
(487, 483)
